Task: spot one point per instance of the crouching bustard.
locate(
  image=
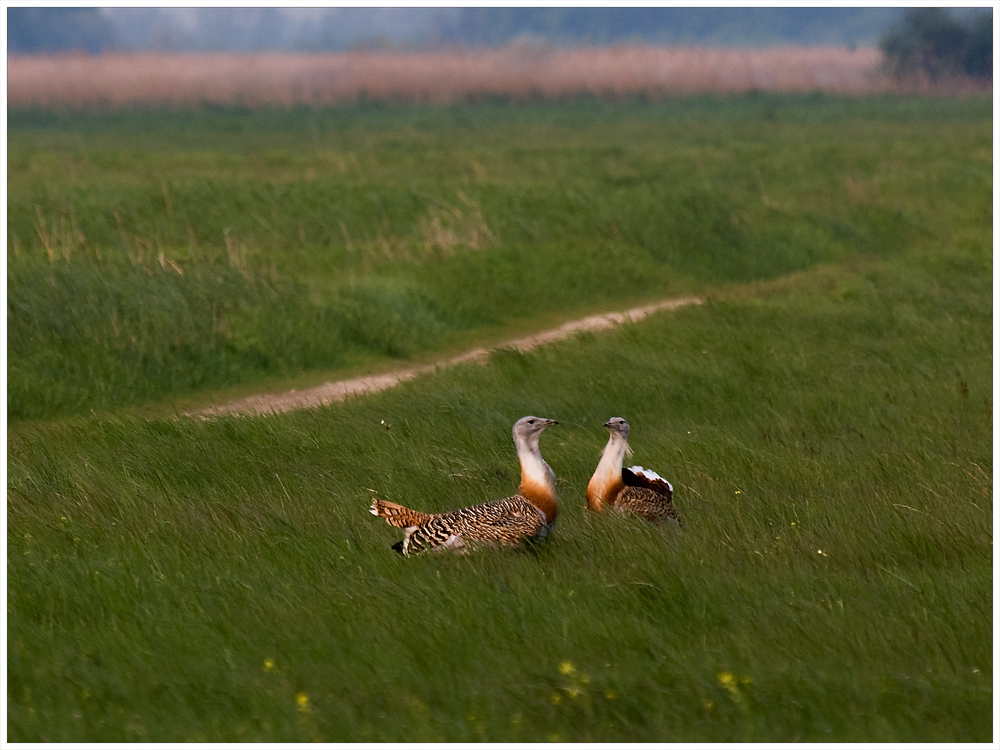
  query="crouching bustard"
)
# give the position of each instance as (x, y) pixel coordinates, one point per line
(634, 490)
(531, 513)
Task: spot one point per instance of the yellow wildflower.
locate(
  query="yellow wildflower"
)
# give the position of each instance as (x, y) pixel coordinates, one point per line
(566, 668)
(729, 683)
(303, 700)
(268, 665)
(555, 698)
(572, 692)
(609, 695)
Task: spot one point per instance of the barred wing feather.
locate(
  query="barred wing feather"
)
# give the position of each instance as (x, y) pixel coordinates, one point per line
(647, 494)
(506, 522)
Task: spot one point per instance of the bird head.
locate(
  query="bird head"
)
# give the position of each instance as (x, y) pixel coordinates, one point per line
(618, 426)
(528, 429)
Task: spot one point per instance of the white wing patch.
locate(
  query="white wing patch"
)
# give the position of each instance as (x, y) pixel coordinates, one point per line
(650, 475)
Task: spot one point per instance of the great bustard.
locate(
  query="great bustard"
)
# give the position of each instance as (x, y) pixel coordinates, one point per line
(635, 489)
(528, 514)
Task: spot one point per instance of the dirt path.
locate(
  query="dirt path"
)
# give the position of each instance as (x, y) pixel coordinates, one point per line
(275, 403)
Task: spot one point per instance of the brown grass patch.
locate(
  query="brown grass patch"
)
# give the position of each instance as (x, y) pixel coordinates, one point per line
(516, 72)
(447, 227)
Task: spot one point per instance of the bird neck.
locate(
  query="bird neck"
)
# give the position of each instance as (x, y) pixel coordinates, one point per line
(607, 480)
(538, 481)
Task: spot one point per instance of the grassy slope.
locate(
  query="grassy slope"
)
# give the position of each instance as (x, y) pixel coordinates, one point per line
(181, 580)
(157, 255)
(223, 580)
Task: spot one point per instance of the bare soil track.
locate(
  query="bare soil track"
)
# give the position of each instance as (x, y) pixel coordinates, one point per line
(276, 403)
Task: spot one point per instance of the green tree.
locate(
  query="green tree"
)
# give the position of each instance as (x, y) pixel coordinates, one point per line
(932, 42)
(977, 57)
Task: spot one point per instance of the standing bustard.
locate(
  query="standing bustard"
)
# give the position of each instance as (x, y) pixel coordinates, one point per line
(634, 490)
(530, 513)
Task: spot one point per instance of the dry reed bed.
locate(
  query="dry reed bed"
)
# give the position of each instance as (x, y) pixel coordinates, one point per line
(439, 77)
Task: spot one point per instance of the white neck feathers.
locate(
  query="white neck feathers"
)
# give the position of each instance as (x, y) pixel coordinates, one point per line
(613, 457)
(534, 469)
(607, 477)
(538, 481)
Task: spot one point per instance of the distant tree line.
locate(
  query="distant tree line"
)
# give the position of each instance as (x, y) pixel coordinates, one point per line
(918, 41)
(92, 30)
(932, 42)
(47, 30)
(722, 27)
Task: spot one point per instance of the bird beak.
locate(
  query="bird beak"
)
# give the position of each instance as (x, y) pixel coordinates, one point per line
(550, 422)
(608, 424)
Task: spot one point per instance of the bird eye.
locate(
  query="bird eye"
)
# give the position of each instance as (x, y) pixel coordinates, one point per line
(531, 421)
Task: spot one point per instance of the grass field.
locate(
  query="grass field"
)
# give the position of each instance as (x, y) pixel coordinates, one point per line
(825, 419)
(156, 255)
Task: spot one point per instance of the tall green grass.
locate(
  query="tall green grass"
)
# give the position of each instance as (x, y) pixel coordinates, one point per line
(825, 419)
(829, 439)
(157, 254)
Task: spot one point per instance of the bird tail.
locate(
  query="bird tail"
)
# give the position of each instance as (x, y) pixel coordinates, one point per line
(397, 515)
